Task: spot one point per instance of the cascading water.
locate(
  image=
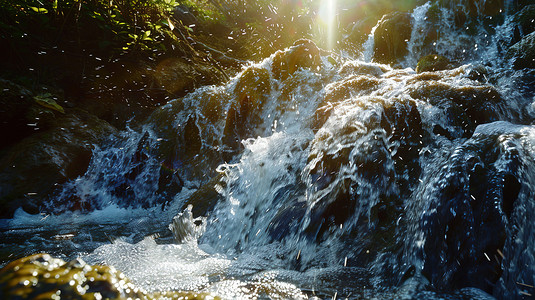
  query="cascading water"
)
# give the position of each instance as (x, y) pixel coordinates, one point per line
(323, 177)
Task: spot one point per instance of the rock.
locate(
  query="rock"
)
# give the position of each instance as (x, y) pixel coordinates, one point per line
(303, 54)
(185, 132)
(182, 13)
(465, 107)
(31, 169)
(492, 8)
(468, 13)
(391, 37)
(128, 91)
(206, 197)
(178, 76)
(524, 23)
(356, 67)
(351, 86)
(360, 32)
(523, 52)
(478, 192)
(433, 62)
(41, 276)
(362, 189)
(251, 91)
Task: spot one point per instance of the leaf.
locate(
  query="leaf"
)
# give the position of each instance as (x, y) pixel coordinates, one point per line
(39, 10)
(171, 26)
(45, 100)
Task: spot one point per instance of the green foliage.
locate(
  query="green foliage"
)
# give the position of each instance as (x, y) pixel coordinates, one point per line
(120, 24)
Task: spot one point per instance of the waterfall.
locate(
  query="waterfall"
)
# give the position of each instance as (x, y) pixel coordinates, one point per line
(312, 175)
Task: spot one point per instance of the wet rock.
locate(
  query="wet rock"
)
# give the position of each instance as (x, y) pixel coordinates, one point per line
(478, 73)
(391, 37)
(464, 106)
(355, 190)
(303, 54)
(129, 90)
(468, 223)
(206, 197)
(41, 276)
(468, 13)
(178, 76)
(433, 62)
(183, 14)
(524, 23)
(351, 86)
(359, 32)
(491, 8)
(251, 92)
(31, 169)
(523, 52)
(185, 132)
(356, 67)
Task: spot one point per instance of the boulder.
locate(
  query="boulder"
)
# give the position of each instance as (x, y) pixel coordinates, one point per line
(303, 54)
(355, 190)
(178, 76)
(477, 201)
(33, 168)
(206, 197)
(523, 52)
(433, 62)
(391, 38)
(464, 106)
(251, 93)
(359, 32)
(356, 67)
(468, 13)
(524, 23)
(24, 112)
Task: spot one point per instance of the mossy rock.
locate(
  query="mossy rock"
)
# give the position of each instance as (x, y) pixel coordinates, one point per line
(362, 68)
(465, 107)
(303, 54)
(433, 62)
(41, 276)
(360, 31)
(391, 37)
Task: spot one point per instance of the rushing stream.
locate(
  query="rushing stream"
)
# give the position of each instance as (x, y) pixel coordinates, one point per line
(342, 179)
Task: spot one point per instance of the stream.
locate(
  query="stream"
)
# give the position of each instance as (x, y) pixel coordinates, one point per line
(343, 178)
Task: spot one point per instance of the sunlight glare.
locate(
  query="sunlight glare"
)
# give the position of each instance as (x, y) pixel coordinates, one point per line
(327, 14)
